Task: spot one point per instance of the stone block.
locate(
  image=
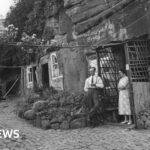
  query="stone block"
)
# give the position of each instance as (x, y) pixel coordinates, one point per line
(69, 118)
(83, 16)
(140, 124)
(70, 3)
(144, 118)
(64, 125)
(39, 105)
(55, 126)
(147, 124)
(30, 115)
(53, 104)
(38, 121)
(45, 124)
(54, 120)
(61, 118)
(20, 113)
(78, 123)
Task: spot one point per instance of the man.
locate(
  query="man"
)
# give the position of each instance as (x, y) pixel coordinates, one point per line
(93, 84)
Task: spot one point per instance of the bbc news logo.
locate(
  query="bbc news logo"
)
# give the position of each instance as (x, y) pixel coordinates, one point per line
(9, 134)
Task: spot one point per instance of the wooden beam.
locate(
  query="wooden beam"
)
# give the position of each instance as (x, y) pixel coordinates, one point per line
(98, 63)
(130, 85)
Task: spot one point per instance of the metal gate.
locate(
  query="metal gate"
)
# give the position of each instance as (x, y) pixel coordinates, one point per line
(137, 63)
(138, 60)
(109, 67)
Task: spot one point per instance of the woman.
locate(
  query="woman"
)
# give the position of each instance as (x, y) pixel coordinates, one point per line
(124, 102)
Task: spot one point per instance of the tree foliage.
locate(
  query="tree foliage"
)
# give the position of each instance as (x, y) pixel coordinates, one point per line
(18, 14)
(11, 54)
(30, 15)
(36, 19)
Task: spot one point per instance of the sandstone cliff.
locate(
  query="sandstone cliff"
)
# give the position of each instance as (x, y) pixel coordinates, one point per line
(78, 25)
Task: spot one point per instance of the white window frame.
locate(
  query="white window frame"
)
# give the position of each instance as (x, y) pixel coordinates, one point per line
(29, 77)
(55, 63)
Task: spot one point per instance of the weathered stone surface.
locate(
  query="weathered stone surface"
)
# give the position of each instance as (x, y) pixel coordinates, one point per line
(39, 105)
(88, 14)
(29, 114)
(86, 10)
(75, 75)
(70, 3)
(69, 118)
(38, 121)
(52, 8)
(20, 113)
(140, 124)
(54, 120)
(61, 118)
(78, 123)
(64, 125)
(45, 124)
(85, 6)
(147, 124)
(144, 118)
(53, 103)
(88, 24)
(49, 113)
(55, 126)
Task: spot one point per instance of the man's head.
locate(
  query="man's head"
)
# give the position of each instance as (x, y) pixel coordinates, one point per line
(92, 71)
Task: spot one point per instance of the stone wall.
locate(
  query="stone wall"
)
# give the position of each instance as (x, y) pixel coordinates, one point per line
(96, 22)
(61, 110)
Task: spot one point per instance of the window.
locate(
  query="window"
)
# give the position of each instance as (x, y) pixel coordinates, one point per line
(55, 67)
(29, 77)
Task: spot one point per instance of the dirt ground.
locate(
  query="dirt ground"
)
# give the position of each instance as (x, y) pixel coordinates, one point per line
(107, 137)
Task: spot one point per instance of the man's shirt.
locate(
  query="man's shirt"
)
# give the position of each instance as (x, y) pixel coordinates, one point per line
(96, 80)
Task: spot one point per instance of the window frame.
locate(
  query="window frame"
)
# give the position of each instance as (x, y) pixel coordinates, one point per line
(29, 77)
(55, 63)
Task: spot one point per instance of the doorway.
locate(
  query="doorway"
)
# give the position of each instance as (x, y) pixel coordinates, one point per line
(45, 75)
(35, 82)
(111, 59)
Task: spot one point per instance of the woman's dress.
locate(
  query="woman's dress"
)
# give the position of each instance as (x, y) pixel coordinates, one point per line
(124, 102)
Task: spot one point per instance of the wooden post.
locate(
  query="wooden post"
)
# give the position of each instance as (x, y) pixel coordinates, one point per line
(130, 85)
(98, 63)
(21, 82)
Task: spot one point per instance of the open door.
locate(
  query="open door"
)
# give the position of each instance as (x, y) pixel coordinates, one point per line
(137, 58)
(45, 75)
(111, 59)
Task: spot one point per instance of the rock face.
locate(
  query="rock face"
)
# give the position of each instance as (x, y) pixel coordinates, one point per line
(70, 3)
(45, 124)
(60, 111)
(64, 125)
(143, 119)
(39, 105)
(78, 123)
(30, 115)
(81, 24)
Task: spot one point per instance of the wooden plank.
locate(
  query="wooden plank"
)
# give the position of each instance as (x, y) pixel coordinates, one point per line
(141, 95)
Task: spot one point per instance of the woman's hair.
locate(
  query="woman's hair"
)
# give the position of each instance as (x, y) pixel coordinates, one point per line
(123, 71)
(93, 68)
